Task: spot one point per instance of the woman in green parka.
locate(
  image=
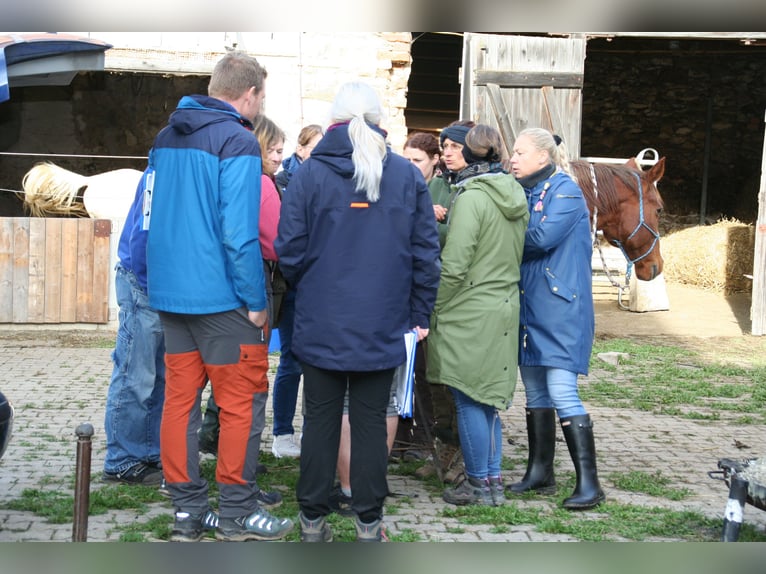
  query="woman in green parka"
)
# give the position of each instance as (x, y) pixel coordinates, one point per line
(473, 343)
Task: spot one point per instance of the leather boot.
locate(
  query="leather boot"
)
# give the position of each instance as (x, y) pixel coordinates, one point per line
(541, 433)
(211, 427)
(578, 432)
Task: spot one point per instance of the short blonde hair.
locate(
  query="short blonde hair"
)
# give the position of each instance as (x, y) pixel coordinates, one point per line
(234, 74)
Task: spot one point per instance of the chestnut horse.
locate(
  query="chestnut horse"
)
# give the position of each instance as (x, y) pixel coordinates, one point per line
(625, 205)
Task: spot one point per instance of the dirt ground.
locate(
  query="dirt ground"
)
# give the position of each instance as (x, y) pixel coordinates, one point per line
(714, 324)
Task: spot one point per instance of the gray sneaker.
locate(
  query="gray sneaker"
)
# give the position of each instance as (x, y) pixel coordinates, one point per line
(316, 530)
(374, 531)
(469, 491)
(192, 528)
(260, 525)
(497, 490)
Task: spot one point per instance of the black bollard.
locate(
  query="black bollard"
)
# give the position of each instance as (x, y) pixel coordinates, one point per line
(735, 509)
(84, 433)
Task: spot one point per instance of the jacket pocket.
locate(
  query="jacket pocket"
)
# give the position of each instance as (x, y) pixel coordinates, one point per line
(558, 287)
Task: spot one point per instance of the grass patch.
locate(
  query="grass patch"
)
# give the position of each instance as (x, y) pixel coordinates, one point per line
(58, 507)
(653, 484)
(670, 380)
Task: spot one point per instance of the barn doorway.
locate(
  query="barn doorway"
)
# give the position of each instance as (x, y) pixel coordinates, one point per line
(699, 100)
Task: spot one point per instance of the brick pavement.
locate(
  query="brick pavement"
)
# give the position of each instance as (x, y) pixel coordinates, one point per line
(54, 389)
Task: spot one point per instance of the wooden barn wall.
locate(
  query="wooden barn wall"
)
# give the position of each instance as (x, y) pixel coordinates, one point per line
(54, 270)
(668, 95)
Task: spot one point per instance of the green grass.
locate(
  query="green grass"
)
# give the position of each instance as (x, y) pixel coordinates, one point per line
(610, 521)
(653, 484)
(669, 380)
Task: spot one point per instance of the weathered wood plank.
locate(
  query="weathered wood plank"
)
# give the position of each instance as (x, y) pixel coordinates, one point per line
(84, 270)
(511, 79)
(68, 287)
(502, 117)
(53, 247)
(36, 289)
(101, 272)
(20, 268)
(519, 66)
(6, 269)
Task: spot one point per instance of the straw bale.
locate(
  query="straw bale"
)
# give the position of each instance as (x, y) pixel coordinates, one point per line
(712, 257)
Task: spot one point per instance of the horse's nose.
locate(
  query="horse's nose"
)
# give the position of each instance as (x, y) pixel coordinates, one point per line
(655, 271)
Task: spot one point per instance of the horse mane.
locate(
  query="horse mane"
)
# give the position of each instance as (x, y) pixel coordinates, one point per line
(607, 200)
(53, 190)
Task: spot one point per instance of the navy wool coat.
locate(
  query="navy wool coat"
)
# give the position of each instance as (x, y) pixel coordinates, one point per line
(364, 273)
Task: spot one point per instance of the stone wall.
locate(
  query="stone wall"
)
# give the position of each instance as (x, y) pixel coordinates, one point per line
(644, 93)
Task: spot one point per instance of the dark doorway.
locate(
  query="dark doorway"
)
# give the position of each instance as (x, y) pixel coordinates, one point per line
(433, 96)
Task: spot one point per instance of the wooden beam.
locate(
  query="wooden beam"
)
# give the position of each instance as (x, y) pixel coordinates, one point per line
(554, 118)
(529, 79)
(758, 305)
(502, 116)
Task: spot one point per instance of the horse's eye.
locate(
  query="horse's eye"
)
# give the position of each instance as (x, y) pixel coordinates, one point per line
(659, 211)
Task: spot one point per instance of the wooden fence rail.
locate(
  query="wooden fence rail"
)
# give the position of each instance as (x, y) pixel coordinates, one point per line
(54, 270)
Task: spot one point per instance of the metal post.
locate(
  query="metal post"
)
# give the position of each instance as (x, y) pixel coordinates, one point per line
(735, 509)
(84, 433)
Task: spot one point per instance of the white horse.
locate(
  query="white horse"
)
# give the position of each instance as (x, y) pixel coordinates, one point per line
(52, 191)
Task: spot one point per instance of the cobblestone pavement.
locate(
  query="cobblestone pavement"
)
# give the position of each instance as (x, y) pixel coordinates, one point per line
(56, 388)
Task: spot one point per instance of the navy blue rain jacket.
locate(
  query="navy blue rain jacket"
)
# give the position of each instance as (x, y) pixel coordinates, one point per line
(556, 320)
(365, 273)
(131, 250)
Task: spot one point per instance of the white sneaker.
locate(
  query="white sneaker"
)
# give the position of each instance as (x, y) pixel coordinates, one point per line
(286, 445)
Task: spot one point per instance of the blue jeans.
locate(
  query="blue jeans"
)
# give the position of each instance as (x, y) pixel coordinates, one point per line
(547, 387)
(480, 436)
(137, 389)
(289, 371)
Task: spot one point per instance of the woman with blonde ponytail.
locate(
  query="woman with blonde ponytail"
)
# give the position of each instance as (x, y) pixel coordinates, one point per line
(556, 321)
(357, 239)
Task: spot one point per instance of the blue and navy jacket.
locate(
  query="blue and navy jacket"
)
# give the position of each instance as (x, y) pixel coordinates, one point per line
(365, 273)
(556, 321)
(203, 254)
(289, 166)
(131, 250)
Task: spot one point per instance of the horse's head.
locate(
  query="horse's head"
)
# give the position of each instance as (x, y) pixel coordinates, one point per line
(637, 229)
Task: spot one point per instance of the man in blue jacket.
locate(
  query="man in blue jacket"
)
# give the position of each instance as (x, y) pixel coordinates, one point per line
(206, 279)
(137, 388)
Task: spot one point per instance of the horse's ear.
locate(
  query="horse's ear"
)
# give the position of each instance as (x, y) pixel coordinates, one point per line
(658, 170)
(633, 164)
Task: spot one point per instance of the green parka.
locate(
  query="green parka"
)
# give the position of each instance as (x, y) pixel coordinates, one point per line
(473, 341)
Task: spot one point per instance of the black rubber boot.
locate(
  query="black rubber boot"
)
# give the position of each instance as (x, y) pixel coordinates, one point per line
(208, 433)
(578, 432)
(541, 433)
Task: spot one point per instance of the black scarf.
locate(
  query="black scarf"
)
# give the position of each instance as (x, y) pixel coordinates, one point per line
(531, 180)
(479, 168)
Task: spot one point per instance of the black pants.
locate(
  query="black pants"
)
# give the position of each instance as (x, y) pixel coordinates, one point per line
(369, 394)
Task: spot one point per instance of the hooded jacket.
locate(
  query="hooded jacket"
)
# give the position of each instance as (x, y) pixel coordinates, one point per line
(131, 250)
(557, 322)
(364, 273)
(473, 343)
(289, 166)
(203, 254)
